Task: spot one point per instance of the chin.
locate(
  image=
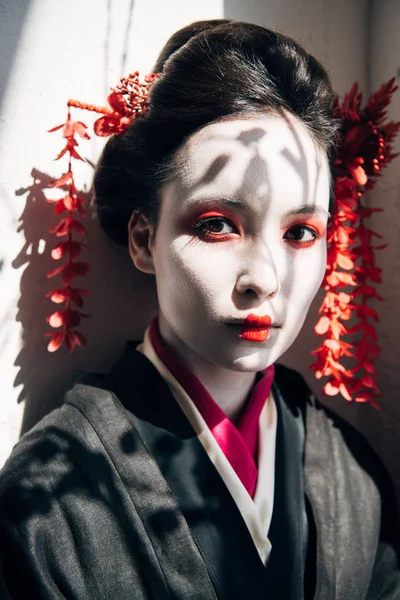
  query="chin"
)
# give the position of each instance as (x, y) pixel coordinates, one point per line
(258, 360)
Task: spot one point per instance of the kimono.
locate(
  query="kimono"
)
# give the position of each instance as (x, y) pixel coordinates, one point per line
(113, 496)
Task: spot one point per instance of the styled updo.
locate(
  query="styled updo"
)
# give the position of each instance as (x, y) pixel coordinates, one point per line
(210, 70)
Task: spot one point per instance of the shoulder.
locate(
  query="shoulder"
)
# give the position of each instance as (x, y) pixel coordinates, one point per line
(62, 447)
(58, 483)
(325, 427)
(336, 450)
(320, 421)
(64, 504)
(74, 439)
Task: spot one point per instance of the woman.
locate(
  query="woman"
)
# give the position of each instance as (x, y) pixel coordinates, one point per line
(183, 473)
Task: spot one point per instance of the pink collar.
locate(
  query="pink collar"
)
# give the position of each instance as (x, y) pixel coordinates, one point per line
(239, 443)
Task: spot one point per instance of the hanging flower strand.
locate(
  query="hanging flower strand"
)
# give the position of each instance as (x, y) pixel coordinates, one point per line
(366, 148)
(66, 319)
(127, 101)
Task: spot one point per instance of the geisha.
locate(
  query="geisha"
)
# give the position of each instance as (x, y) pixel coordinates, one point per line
(198, 468)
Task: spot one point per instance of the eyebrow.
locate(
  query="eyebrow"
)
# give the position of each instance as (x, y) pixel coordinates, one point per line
(308, 209)
(305, 209)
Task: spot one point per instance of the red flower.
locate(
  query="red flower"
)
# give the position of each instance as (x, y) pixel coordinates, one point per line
(127, 101)
(70, 203)
(111, 125)
(70, 247)
(68, 293)
(56, 341)
(68, 317)
(70, 147)
(71, 128)
(71, 338)
(366, 148)
(74, 338)
(322, 326)
(65, 179)
(65, 226)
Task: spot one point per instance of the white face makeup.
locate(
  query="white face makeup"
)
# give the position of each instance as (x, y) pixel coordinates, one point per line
(242, 230)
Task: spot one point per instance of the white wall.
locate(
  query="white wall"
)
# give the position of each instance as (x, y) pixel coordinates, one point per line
(52, 50)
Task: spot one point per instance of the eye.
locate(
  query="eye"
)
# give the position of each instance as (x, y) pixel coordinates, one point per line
(214, 227)
(301, 235)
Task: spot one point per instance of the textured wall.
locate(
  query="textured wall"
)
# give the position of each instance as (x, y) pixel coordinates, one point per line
(50, 51)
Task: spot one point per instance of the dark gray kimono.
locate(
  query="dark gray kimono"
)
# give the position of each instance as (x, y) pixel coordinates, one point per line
(113, 497)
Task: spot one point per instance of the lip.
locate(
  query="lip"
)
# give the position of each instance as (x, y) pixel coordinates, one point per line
(255, 334)
(254, 328)
(254, 322)
(259, 321)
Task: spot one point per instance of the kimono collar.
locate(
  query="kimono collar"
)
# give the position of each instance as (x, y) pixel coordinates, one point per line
(238, 442)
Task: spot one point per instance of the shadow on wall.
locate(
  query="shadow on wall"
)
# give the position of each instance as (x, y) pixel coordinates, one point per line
(123, 302)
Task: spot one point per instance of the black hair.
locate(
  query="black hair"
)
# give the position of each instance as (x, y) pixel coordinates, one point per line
(211, 70)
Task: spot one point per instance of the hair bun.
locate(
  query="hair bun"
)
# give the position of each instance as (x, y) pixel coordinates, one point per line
(181, 37)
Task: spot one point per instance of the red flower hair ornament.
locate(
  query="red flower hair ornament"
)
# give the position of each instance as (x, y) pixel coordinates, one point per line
(365, 149)
(351, 272)
(127, 101)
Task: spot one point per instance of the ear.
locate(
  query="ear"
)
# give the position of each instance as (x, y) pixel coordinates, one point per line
(140, 235)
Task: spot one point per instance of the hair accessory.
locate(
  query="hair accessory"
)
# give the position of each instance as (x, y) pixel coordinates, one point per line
(127, 101)
(351, 273)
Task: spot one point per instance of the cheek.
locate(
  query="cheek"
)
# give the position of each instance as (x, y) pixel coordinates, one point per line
(304, 277)
(188, 276)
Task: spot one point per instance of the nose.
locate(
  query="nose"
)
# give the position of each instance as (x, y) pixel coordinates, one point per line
(259, 277)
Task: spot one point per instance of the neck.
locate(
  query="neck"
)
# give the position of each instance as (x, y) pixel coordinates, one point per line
(229, 389)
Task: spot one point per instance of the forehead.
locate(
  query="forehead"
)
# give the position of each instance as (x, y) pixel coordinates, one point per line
(252, 156)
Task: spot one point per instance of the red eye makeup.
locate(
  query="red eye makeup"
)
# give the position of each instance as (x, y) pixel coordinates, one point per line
(304, 234)
(214, 226)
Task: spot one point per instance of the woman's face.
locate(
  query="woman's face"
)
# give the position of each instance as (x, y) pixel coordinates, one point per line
(241, 231)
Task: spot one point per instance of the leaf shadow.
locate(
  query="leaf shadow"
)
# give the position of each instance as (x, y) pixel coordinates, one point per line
(123, 301)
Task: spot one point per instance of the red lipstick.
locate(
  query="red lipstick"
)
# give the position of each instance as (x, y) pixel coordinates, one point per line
(255, 328)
